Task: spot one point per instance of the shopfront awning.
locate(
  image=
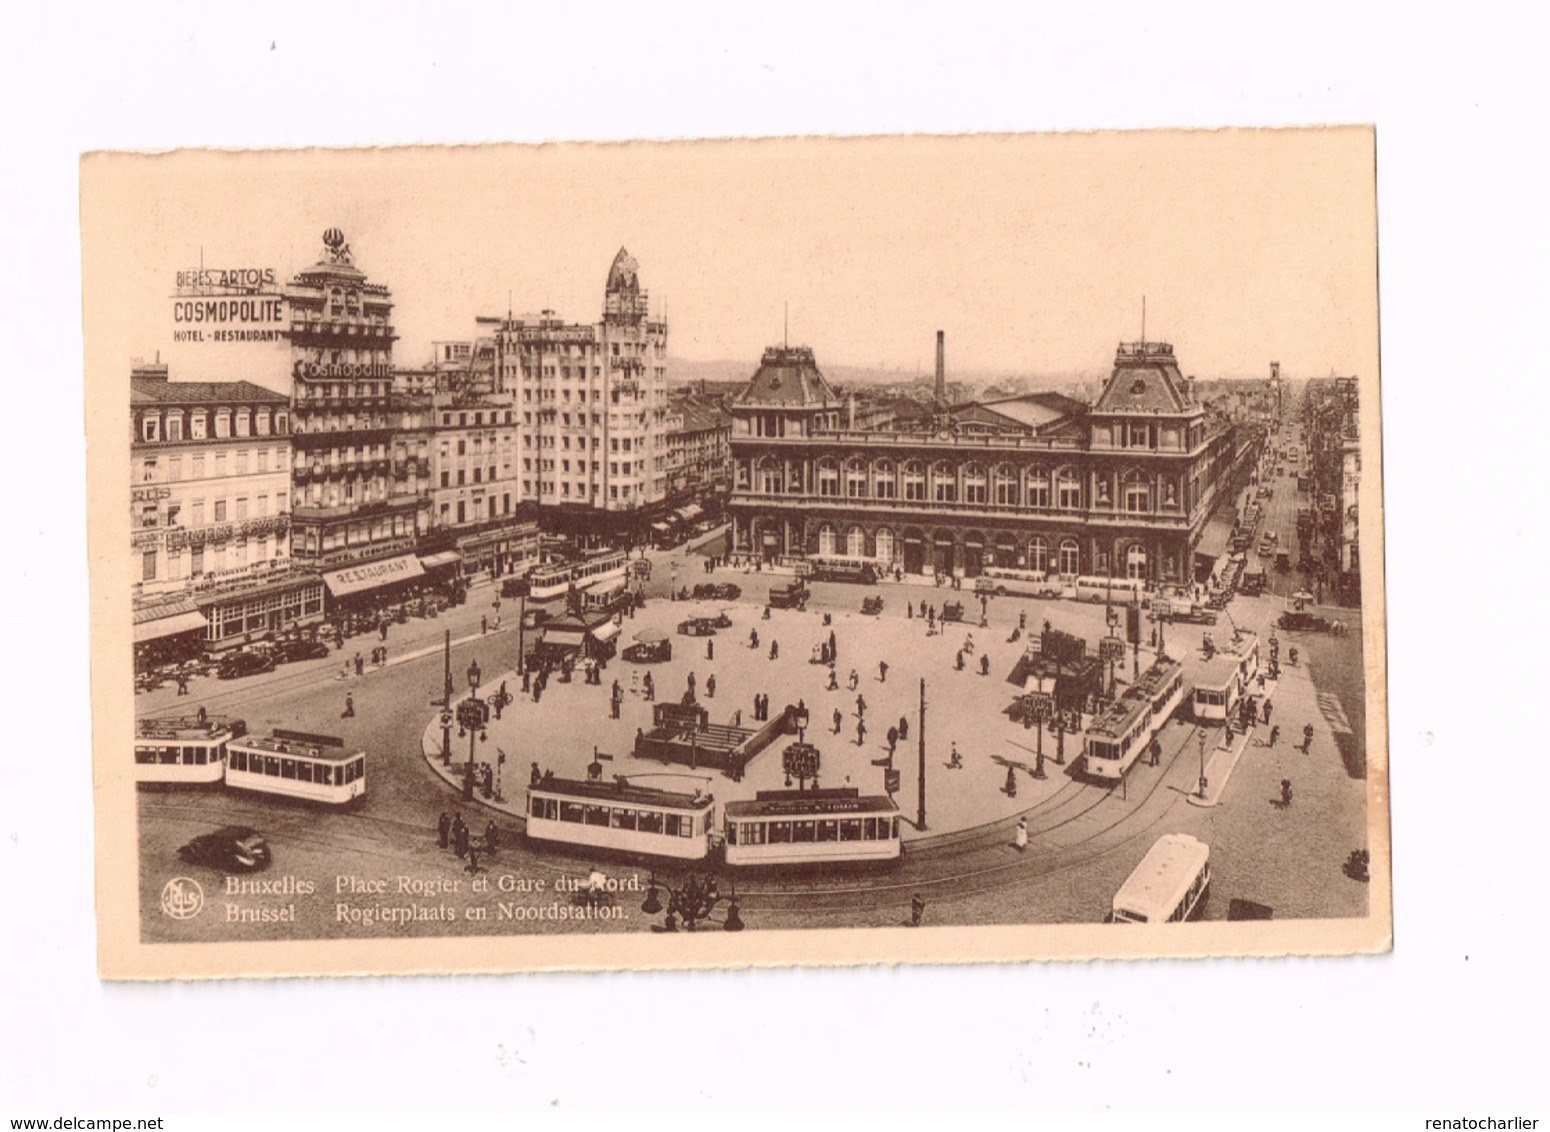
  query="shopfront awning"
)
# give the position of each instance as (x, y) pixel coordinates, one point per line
(1215, 539)
(156, 629)
(371, 575)
(659, 527)
(565, 638)
(689, 513)
(607, 631)
(441, 558)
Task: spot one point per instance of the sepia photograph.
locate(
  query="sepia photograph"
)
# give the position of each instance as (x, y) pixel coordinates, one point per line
(924, 548)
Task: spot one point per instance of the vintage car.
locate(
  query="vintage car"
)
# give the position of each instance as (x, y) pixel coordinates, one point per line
(717, 591)
(1192, 615)
(698, 627)
(300, 648)
(649, 652)
(1254, 583)
(789, 596)
(533, 618)
(249, 662)
(952, 611)
(1302, 622)
(871, 606)
(235, 848)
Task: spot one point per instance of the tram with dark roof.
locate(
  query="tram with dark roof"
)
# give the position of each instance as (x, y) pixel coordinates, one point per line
(804, 827)
(1126, 727)
(184, 749)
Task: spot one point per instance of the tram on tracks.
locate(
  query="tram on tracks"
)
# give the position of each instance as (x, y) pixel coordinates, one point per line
(1124, 729)
(1224, 679)
(296, 764)
(622, 818)
(1169, 886)
(184, 749)
(555, 579)
(794, 827)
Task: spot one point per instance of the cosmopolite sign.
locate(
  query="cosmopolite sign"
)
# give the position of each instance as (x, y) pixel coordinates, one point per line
(341, 369)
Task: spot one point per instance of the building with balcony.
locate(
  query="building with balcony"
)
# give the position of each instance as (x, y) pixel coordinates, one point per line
(590, 403)
(1332, 429)
(210, 492)
(1041, 481)
(699, 448)
(348, 507)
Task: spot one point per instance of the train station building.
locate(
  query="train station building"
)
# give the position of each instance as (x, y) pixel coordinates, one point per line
(1125, 486)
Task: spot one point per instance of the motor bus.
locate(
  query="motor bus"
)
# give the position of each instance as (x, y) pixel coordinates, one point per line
(556, 578)
(186, 749)
(1118, 590)
(1005, 580)
(1169, 886)
(315, 768)
(1126, 727)
(788, 827)
(1222, 681)
(621, 817)
(836, 568)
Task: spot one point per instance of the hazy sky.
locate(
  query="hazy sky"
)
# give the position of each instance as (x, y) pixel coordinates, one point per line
(1031, 252)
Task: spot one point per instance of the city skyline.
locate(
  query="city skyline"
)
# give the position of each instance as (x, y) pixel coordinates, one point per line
(1032, 252)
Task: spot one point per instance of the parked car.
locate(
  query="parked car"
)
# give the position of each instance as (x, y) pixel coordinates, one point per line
(789, 596)
(235, 848)
(717, 591)
(1254, 583)
(1303, 622)
(871, 606)
(697, 627)
(247, 663)
(300, 648)
(649, 652)
(1192, 615)
(952, 611)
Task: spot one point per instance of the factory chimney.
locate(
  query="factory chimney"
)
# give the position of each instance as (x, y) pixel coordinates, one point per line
(941, 369)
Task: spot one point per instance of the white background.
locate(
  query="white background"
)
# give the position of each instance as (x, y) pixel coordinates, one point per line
(1451, 1022)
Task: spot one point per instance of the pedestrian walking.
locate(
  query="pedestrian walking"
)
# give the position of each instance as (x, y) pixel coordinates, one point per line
(460, 836)
(182, 683)
(860, 706)
(1275, 733)
(1307, 737)
(984, 664)
(960, 660)
(917, 910)
(855, 679)
(1022, 620)
(737, 718)
(710, 686)
(349, 707)
(774, 649)
(834, 648)
(955, 760)
(1020, 838)
(360, 664)
(484, 624)
(904, 728)
(834, 681)
(384, 629)
(882, 672)
(1267, 711)
(860, 732)
(444, 827)
(710, 649)
(691, 687)
(1011, 782)
(473, 857)
(893, 740)
(839, 720)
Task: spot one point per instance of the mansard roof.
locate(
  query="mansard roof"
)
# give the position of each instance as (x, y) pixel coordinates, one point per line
(788, 376)
(1146, 379)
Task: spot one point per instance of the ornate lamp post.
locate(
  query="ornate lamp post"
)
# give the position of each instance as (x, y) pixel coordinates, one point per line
(1042, 705)
(472, 715)
(801, 761)
(692, 902)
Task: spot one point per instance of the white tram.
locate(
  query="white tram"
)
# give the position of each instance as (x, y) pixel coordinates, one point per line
(1119, 735)
(556, 579)
(317, 768)
(187, 749)
(1169, 886)
(1222, 680)
(784, 827)
(622, 818)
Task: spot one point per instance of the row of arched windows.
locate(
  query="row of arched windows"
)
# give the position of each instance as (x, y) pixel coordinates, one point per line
(154, 425)
(919, 481)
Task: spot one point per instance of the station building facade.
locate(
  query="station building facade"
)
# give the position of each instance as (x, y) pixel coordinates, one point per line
(1043, 482)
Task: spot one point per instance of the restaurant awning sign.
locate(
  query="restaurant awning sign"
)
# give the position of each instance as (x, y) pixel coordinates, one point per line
(370, 575)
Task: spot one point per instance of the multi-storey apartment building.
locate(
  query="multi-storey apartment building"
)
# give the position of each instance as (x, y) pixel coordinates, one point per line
(1043, 482)
(591, 409)
(1332, 426)
(348, 505)
(210, 471)
(699, 446)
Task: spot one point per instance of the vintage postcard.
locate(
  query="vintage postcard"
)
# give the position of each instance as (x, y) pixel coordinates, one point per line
(747, 552)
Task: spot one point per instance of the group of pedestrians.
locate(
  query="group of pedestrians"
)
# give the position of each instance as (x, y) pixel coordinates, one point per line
(453, 833)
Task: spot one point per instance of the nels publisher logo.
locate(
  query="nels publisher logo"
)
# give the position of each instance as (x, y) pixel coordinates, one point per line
(182, 898)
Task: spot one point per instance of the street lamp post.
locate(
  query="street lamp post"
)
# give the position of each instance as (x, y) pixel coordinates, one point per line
(471, 714)
(692, 902)
(446, 699)
(1202, 765)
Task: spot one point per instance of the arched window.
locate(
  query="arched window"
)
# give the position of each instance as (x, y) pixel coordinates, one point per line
(1006, 489)
(944, 482)
(1068, 490)
(243, 416)
(1038, 487)
(1070, 557)
(196, 424)
(883, 483)
(826, 539)
(282, 423)
(150, 427)
(1135, 563)
(974, 490)
(855, 543)
(915, 481)
(855, 479)
(828, 478)
(884, 545)
(261, 422)
(1038, 554)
